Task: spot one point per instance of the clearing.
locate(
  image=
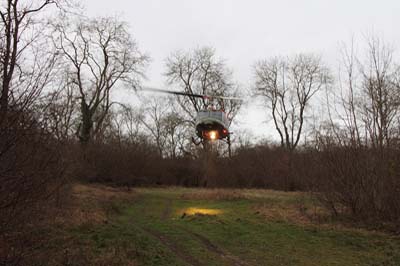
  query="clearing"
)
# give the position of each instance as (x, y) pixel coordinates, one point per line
(182, 226)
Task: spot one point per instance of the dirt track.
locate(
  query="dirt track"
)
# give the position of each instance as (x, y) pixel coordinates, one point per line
(233, 260)
(173, 247)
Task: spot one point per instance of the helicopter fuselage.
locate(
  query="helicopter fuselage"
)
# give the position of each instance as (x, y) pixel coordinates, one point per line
(212, 125)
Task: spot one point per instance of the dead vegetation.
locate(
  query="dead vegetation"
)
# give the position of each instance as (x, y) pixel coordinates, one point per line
(214, 194)
(296, 213)
(91, 204)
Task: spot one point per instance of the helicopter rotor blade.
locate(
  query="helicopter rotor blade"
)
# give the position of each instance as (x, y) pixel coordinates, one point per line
(181, 93)
(226, 98)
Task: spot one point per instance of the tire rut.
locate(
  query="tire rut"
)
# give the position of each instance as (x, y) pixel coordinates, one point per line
(167, 210)
(190, 260)
(235, 261)
(170, 244)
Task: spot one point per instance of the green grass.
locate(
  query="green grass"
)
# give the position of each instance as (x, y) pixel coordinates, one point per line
(150, 230)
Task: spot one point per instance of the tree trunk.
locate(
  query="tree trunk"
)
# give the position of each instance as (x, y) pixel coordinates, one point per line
(86, 123)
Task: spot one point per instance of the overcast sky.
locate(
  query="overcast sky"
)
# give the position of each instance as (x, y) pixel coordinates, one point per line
(243, 32)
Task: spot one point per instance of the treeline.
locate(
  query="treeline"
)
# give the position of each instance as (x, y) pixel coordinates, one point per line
(338, 134)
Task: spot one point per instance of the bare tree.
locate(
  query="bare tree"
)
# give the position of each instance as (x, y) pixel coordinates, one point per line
(366, 106)
(152, 118)
(61, 108)
(126, 123)
(349, 88)
(201, 72)
(343, 124)
(101, 53)
(358, 145)
(288, 85)
(176, 131)
(31, 166)
(19, 33)
(381, 98)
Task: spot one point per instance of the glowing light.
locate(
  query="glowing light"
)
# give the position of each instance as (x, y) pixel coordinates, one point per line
(213, 135)
(201, 211)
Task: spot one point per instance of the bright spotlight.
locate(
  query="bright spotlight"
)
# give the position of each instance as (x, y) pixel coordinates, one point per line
(213, 135)
(201, 211)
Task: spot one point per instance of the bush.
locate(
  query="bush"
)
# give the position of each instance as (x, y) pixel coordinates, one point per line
(32, 169)
(361, 182)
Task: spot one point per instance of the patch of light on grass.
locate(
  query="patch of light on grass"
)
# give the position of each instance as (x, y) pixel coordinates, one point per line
(201, 211)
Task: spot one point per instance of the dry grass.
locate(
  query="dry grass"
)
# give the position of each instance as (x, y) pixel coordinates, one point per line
(307, 214)
(292, 213)
(214, 194)
(89, 204)
(101, 192)
(271, 194)
(110, 257)
(278, 206)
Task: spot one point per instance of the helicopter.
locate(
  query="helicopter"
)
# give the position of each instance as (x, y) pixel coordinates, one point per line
(211, 123)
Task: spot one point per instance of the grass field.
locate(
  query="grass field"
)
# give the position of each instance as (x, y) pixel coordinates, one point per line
(177, 226)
